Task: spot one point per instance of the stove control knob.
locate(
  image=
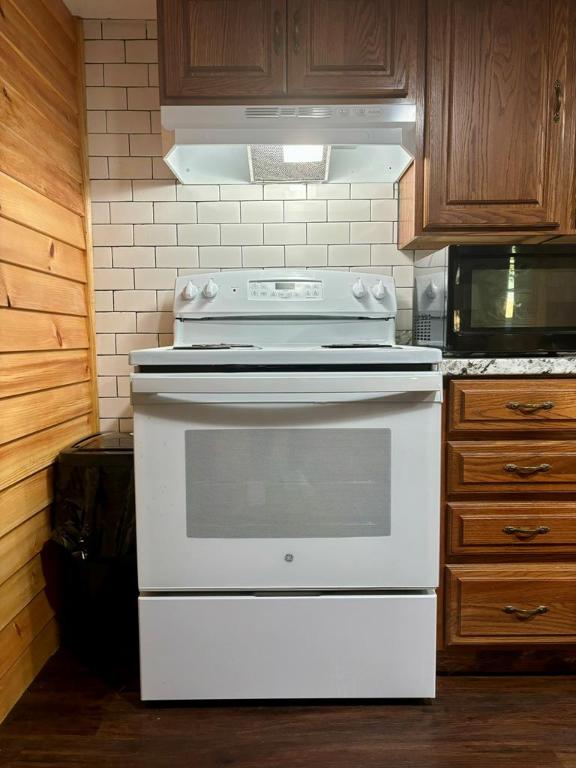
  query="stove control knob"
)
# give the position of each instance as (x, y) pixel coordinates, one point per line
(210, 290)
(359, 289)
(379, 291)
(190, 291)
(432, 290)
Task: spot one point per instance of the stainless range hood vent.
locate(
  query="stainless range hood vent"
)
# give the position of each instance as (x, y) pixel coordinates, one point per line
(263, 112)
(267, 164)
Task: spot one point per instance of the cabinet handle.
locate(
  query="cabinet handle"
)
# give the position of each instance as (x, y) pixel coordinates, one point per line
(557, 101)
(525, 408)
(524, 613)
(525, 533)
(526, 471)
(277, 33)
(296, 32)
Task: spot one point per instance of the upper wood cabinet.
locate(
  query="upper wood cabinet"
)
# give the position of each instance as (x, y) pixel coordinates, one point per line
(496, 158)
(253, 51)
(221, 49)
(355, 48)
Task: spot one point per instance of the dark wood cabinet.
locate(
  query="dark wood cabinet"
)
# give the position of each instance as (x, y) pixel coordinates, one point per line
(221, 49)
(352, 48)
(497, 148)
(253, 51)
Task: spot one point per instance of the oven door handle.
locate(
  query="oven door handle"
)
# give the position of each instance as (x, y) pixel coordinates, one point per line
(261, 398)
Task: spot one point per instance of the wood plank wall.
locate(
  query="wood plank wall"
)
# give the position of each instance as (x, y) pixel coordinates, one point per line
(47, 372)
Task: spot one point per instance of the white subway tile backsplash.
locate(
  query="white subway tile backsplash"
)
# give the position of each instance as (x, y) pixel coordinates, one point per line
(220, 256)
(137, 256)
(403, 276)
(284, 191)
(145, 144)
(105, 191)
(157, 279)
(155, 234)
(106, 344)
(98, 167)
(100, 213)
(129, 167)
(114, 365)
(262, 211)
(114, 407)
(123, 382)
(262, 256)
(125, 74)
(94, 74)
(112, 234)
(106, 98)
(198, 234)
(96, 121)
(384, 210)
(348, 255)
(305, 210)
(219, 213)
(372, 190)
(164, 300)
(306, 255)
(115, 322)
(241, 192)
(142, 50)
(102, 51)
(371, 232)
(333, 233)
(135, 301)
(92, 29)
(131, 213)
(175, 213)
(197, 192)
(348, 210)
(143, 98)
(103, 301)
(102, 257)
(177, 256)
(160, 170)
(328, 191)
(123, 30)
(388, 253)
(151, 30)
(126, 342)
(153, 75)
(241, 234)
(113, 279)
(154, 322)
(107, 144)
(107, 384)
(127, 122)
(284, 234)
(154, 189)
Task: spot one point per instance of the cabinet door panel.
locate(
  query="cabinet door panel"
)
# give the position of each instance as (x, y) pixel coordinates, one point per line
(221, 49)
(490, 114)
(352, 48)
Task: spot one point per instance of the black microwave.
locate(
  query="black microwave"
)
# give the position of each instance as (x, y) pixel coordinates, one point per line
(497, 301)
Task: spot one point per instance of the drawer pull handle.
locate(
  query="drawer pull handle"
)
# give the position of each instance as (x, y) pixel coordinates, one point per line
(527, 408)
(526, 471)
(524, 613)
(525, 533)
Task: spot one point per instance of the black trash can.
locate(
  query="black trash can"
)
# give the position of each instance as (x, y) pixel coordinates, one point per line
(94, 526)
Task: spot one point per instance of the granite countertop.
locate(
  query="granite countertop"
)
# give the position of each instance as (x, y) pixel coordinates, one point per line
(508, 366)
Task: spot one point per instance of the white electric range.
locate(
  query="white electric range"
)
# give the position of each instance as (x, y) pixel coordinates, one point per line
(287, 458)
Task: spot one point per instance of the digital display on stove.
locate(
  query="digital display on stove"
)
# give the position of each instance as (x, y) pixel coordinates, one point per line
(285, 290)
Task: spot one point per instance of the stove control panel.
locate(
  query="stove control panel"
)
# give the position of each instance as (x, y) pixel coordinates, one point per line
(285, 290)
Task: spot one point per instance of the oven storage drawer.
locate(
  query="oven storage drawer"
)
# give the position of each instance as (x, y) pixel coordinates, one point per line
(323, 646)
(511, 467)
(499, 604)
(512, 528)
(519, 405)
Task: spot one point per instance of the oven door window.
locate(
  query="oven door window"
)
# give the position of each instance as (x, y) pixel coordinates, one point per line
(287, 483)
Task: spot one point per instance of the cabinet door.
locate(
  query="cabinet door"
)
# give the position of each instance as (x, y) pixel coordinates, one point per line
(215, 50)
(352, 48)
(494, 114)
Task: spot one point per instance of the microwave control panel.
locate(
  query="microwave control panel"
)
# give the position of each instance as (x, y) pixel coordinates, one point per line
(285, 290)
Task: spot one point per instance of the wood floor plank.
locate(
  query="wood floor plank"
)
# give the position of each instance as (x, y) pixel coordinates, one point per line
(22, 331)
(20, 675)
(30, 454)
(23, 543)
(23, 372)
(28, 289)
(17, 591)
(28, 248)
(20, 632)
(26, 414)
(24, 499)
(28, 207)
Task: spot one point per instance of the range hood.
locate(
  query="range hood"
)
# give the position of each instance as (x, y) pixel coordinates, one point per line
(247, 144)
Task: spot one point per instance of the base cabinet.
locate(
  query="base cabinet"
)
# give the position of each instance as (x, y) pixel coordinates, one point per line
(509, 576)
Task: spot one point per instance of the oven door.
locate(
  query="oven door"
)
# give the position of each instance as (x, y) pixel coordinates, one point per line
(287, 481)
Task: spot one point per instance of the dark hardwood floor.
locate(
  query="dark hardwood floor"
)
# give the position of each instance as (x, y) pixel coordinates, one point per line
(72, 718)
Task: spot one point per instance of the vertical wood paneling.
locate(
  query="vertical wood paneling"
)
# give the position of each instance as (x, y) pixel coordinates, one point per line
(48, 397)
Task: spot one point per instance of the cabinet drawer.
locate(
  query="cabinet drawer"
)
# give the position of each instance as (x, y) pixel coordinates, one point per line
(513, 528)
(512, 405)
(511, 604)
(511, 466)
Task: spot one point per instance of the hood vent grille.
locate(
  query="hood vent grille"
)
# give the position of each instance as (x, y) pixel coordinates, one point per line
(267, 164)
(272, 113)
